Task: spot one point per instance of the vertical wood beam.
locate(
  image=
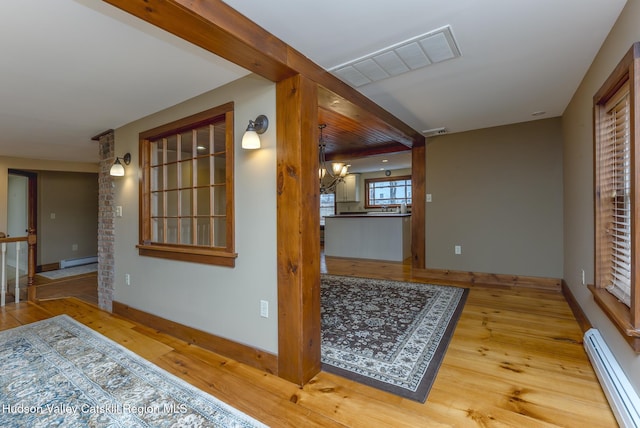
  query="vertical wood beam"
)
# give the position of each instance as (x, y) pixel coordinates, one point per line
(31, 264)
(298, 219)
(418, 208)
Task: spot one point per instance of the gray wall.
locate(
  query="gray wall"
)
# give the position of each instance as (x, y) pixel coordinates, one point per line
(219, 300)
(73, 199)
(577, 123)
(497, 192)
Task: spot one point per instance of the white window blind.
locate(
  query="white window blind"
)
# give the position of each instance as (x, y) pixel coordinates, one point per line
(616, 194)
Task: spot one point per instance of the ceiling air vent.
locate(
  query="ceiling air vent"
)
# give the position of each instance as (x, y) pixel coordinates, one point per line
(417, 52)
(435, 131)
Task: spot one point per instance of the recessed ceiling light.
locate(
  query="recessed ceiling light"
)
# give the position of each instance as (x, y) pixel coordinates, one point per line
(538, 113)
(385, 160)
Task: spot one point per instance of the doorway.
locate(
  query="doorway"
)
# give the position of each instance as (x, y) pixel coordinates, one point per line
(21, 212)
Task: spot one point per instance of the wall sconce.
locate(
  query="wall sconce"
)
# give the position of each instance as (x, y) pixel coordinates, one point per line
(117, 170)
(251, 139)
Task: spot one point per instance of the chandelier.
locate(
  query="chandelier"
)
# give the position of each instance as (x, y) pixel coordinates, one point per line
(329, 175)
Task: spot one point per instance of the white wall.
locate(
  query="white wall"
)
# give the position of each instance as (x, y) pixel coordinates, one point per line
(220, 300)
(577, 124)
(17, 206)
(18, 219)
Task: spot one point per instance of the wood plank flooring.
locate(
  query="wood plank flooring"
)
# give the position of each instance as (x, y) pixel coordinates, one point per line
(84, 287)
(515, 360)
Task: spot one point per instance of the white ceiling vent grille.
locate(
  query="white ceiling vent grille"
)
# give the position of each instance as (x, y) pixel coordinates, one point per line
(417, 52)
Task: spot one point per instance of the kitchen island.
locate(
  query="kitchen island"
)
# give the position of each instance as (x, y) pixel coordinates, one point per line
(378, 236)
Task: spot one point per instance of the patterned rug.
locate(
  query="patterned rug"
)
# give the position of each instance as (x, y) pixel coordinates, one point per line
(387, 334)
(57, 372)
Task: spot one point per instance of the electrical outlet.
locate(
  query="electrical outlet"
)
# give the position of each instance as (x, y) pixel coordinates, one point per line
(429, 199)
(458, 249)
(119, 211)
(74, 247)
(264, 309)
(127, 279)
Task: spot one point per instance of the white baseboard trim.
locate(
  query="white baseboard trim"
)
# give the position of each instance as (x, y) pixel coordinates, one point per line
(623, 398)
(78, 262)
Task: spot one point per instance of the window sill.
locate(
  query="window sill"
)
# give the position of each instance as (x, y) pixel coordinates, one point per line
(188, 254)
(619, 314)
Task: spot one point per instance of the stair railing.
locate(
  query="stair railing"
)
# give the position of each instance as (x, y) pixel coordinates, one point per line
(30, 241)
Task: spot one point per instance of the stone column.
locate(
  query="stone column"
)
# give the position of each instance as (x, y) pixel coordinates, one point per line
(106, 222)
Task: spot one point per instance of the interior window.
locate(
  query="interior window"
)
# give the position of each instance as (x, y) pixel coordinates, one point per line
(187, 189)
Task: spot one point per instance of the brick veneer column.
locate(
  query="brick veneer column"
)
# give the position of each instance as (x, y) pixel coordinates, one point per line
(106, 222)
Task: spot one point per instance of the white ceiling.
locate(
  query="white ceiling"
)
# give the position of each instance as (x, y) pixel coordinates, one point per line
(74, 68)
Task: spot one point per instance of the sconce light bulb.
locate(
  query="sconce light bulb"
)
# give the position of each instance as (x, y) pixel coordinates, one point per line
(117, 170)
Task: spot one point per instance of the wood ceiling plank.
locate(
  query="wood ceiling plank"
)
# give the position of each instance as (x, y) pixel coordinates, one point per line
(346, 136)
(334, 94)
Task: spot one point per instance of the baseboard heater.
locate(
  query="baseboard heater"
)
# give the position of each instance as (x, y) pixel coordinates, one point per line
(623, 399)
(78, 262)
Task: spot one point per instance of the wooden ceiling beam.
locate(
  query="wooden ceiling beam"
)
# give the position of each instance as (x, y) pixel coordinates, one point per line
(388, 149)
(356, 106)
(223, 31)
(217, 28)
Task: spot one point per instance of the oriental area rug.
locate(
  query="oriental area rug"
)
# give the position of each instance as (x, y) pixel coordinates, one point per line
(57, 372)
(387, 334)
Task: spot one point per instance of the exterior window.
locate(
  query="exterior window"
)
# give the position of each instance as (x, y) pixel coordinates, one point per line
(616, 198)
(387, 192)
(187, 189)
(327, 206)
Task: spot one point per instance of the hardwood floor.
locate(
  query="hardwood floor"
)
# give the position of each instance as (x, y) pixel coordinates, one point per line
(515, 360)
(84, 287)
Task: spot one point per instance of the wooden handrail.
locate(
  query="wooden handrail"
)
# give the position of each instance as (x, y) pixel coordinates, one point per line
(18, 239)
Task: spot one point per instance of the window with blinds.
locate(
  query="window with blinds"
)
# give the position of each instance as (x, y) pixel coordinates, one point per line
(616, 176)
(615, 195)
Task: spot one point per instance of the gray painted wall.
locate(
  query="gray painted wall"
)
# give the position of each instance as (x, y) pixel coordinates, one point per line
(577, 124)
(73, 199)
(220, 300)
(497, 192)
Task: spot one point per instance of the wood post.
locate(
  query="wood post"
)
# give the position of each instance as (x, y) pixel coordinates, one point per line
(418, 208)
(31, 241)
(298, 223)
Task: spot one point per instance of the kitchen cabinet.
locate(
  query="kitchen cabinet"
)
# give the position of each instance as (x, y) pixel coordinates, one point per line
(349, 189)
(383, 236)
